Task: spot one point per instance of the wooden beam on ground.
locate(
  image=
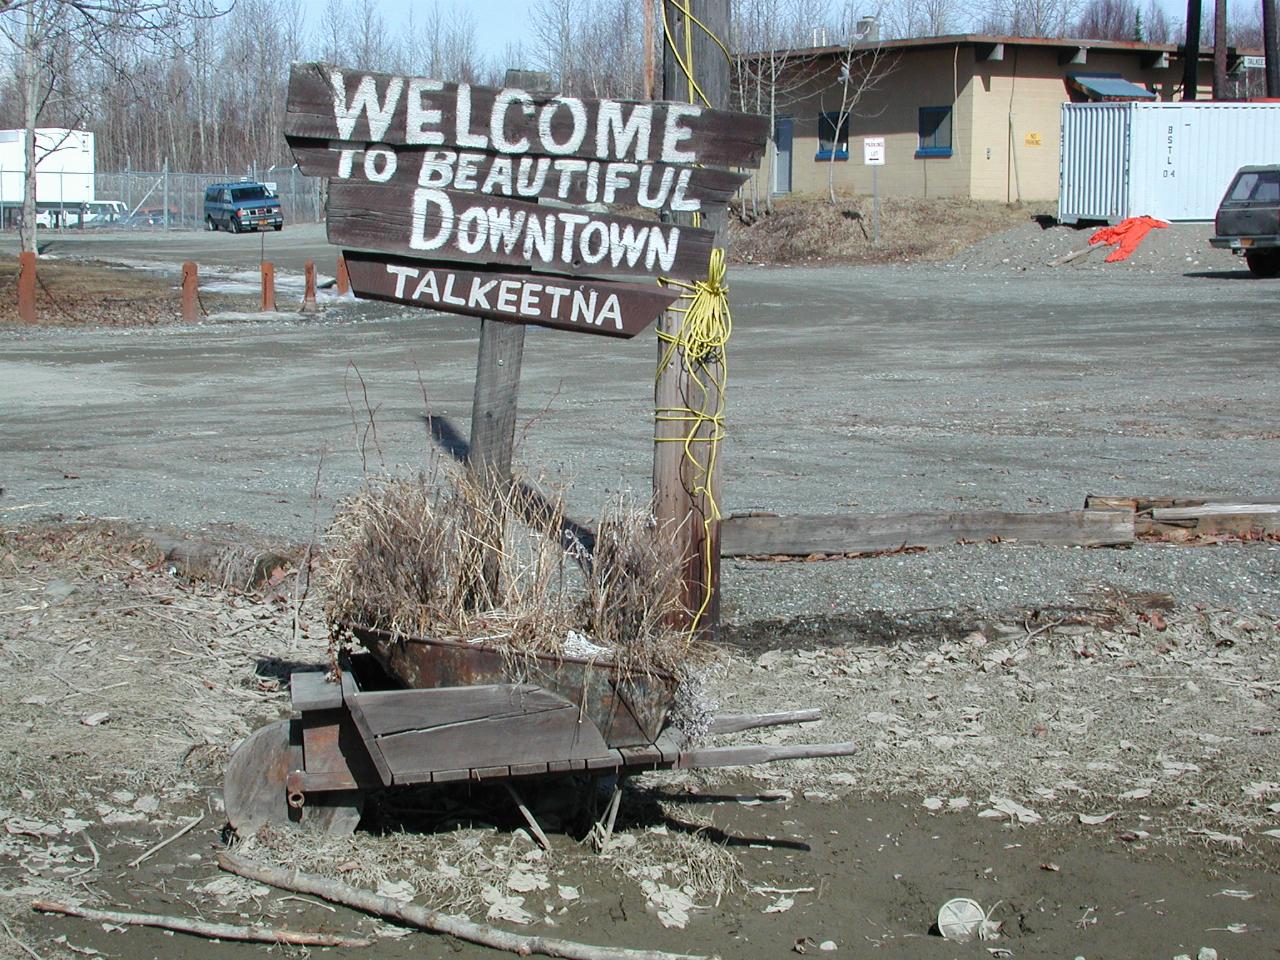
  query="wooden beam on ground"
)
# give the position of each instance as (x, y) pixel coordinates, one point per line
(1181, 519)
(840, 534)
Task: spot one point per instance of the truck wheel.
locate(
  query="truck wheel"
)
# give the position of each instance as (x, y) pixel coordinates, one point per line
(1263, 263)
(210, 225)
(279, 227)
(235, 225)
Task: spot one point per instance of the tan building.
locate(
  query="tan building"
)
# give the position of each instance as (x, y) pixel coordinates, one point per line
(961, 116)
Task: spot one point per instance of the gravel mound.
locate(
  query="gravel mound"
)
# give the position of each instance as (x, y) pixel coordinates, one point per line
(1179, 248)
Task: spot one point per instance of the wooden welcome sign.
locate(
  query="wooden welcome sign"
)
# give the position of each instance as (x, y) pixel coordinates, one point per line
(443, 181)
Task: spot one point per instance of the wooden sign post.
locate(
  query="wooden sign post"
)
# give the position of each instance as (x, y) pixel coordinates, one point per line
(489, 202)
(686, 478)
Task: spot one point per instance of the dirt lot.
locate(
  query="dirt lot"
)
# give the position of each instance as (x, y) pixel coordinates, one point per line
(1082, 741)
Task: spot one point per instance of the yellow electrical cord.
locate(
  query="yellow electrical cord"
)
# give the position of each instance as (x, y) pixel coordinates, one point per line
(699, 341)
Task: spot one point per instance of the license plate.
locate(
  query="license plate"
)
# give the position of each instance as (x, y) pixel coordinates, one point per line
(1246, 241)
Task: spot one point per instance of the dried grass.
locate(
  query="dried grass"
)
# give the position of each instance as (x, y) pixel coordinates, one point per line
(812, 230)
(456, 556)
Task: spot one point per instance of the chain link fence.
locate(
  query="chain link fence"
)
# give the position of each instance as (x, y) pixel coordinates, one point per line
(155, 200)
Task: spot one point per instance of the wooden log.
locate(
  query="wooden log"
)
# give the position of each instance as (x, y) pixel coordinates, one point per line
(854, 534)
(603, 307)
(760, 753)
(737, 722)
(1216, 510)
(425, 918)
(27, 287)
(375, 108)
(250, 933)
(460, 227)
(484, 173)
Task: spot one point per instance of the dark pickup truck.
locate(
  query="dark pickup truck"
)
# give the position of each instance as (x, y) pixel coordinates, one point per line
(1248, 221)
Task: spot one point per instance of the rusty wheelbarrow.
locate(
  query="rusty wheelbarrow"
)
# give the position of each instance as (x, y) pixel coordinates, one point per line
(419, 710)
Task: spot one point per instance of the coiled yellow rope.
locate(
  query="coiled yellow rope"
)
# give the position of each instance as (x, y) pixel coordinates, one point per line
(699, 344)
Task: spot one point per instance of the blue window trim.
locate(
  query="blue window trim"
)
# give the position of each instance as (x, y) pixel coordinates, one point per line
(826, 155)
(941, 112)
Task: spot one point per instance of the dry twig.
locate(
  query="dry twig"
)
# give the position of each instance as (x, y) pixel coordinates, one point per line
(428, 919)
(252, 933)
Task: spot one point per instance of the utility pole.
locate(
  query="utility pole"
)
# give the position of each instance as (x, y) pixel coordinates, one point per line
(1271, 47)
(686, 479)
(1220, 50)
(1191, 52)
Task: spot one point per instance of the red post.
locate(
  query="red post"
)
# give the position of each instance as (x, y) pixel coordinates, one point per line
(309, 292)
(27, 287)
(344, 280)
(268, 287)
(190, 281)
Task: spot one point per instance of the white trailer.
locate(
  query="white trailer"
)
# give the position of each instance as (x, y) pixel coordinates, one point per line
(65, 167)
(1167, 160)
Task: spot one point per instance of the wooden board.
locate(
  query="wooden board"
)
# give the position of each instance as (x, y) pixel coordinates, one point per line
(385, 712)
(1167, 514)
(311, 690)
(606, 308)
(333, 103)
(453, 226)
(414, 755)
(849, 534)
(651, 186)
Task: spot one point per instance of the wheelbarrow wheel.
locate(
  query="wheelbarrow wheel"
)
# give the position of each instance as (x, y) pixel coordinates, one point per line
(255, 793)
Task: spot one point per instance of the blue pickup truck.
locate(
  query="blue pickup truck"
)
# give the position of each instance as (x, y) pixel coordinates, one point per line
(241, 206)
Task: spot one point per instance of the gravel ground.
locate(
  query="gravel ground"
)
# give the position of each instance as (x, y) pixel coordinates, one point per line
(990, 382)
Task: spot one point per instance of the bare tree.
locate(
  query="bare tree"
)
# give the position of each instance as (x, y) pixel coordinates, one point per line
(45, 33)
(1110, 20)
(1029, 18)
(860, 69)
(773, 68)
(921, 18)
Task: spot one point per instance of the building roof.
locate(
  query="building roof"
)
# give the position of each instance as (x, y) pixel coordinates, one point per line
(994, 40)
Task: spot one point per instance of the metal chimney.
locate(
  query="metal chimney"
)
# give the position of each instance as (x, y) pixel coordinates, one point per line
(867, 30)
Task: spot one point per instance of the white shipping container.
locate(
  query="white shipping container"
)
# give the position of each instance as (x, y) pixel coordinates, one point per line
(1172, 161)
(64, 166)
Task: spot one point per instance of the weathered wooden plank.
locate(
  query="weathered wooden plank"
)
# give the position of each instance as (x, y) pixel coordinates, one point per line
(452, 226)
(350, 693)
(1142, 504)
(737, 722)
(1166, 514)
(749, 754)
(650, 186)
(447, 776)
(386, 712)
(850, 533)
(604, 307)
(609, 761)
(334, 103)
(312, 690)
(528, 769)
(491, 773)
(641, 756)
(491, 742)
